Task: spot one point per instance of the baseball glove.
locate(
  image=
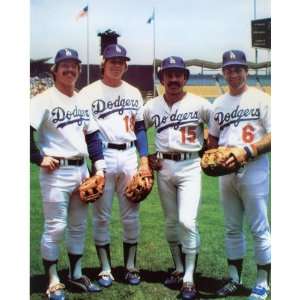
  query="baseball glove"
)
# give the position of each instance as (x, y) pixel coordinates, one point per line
(215, 161)
(154, 162)
(139, 186)
(92, 188)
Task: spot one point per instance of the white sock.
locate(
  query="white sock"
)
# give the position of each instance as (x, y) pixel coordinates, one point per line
(233, 273)
(131, 256)
(262, 278)
(175, 250)
(104, 259)
(190, 260)
(53, 276)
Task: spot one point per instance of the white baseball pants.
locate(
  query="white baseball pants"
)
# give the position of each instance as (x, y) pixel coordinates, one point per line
(246, 194)
(121, 165)
(179, 186)
(63, 210)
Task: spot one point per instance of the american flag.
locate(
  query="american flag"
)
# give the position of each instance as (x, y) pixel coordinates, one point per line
(151, 18)
(83, 12)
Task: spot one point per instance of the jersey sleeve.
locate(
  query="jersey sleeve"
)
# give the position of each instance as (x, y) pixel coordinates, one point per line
(140, 111)
(266, 113)
(213, 126)
(206, 111)
(147, 118)
(38, 110)
(92, 125)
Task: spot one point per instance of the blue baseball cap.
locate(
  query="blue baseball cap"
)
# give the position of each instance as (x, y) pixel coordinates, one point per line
(173, 62)
(234, 57)
(65, 54)
(115, 51)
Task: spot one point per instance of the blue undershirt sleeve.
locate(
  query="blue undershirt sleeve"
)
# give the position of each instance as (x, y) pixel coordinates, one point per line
(35, 155)
(94, 145)
(141, 138)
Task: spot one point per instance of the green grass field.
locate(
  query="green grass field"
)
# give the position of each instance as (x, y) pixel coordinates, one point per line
(154, 258)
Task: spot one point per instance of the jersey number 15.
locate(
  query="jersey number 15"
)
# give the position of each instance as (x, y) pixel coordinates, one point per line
(188, 134)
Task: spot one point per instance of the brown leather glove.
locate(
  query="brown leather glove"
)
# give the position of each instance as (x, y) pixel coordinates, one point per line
(139, 187)
(92, 188)
(223, 160)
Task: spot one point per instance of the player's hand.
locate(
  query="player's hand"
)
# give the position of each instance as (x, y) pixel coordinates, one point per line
(144, 168)
(154, 162)
(49, 163)
(239, 156)
(144, 164)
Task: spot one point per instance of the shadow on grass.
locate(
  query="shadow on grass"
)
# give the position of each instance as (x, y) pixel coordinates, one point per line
(207, 286)
(38, 283)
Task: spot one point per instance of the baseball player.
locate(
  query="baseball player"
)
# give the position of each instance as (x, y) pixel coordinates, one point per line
(67, 133)
(178, 118)
(241, 118)
(118, 109)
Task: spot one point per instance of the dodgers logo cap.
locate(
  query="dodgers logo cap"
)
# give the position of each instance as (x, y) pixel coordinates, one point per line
(234, 57)
(65, 54)
(115, 51)
(173, 62)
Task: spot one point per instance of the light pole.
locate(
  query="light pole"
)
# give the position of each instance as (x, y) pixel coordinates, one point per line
(256, 52)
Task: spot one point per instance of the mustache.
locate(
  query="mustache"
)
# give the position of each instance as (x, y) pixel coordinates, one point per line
(174, 83)
(69, 72)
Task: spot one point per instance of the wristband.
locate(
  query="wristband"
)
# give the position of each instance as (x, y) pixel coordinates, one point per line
(99, 164)
(250, 151)
(100, 173)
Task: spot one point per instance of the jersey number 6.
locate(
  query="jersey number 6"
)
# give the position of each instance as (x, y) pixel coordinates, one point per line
(248, 134)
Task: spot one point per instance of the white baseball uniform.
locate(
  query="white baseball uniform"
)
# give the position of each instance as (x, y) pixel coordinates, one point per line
(61, 123)
(116, 109)
(239, 121)
(179, 129)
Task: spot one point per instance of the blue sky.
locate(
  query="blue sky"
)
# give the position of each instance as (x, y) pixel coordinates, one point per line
(191, 28)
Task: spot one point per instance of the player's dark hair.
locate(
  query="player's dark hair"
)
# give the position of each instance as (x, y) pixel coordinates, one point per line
(102, 69)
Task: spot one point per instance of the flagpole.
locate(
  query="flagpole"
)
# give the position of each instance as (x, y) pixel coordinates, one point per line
(154, 52)
(88, 46)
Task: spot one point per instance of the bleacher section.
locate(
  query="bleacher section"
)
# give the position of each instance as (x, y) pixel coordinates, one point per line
(205, 91)
(212, 86)
(208, 85)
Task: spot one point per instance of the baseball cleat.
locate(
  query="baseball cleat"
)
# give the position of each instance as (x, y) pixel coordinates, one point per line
(133, 277)
(85, 284)
(56, 292)
(259, 293)
(105, 279)
(230, 288)
(174, 280)
(188, 291)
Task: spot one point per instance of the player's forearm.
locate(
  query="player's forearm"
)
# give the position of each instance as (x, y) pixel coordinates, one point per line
(35, 155)
(212, 142)
(263, 145)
